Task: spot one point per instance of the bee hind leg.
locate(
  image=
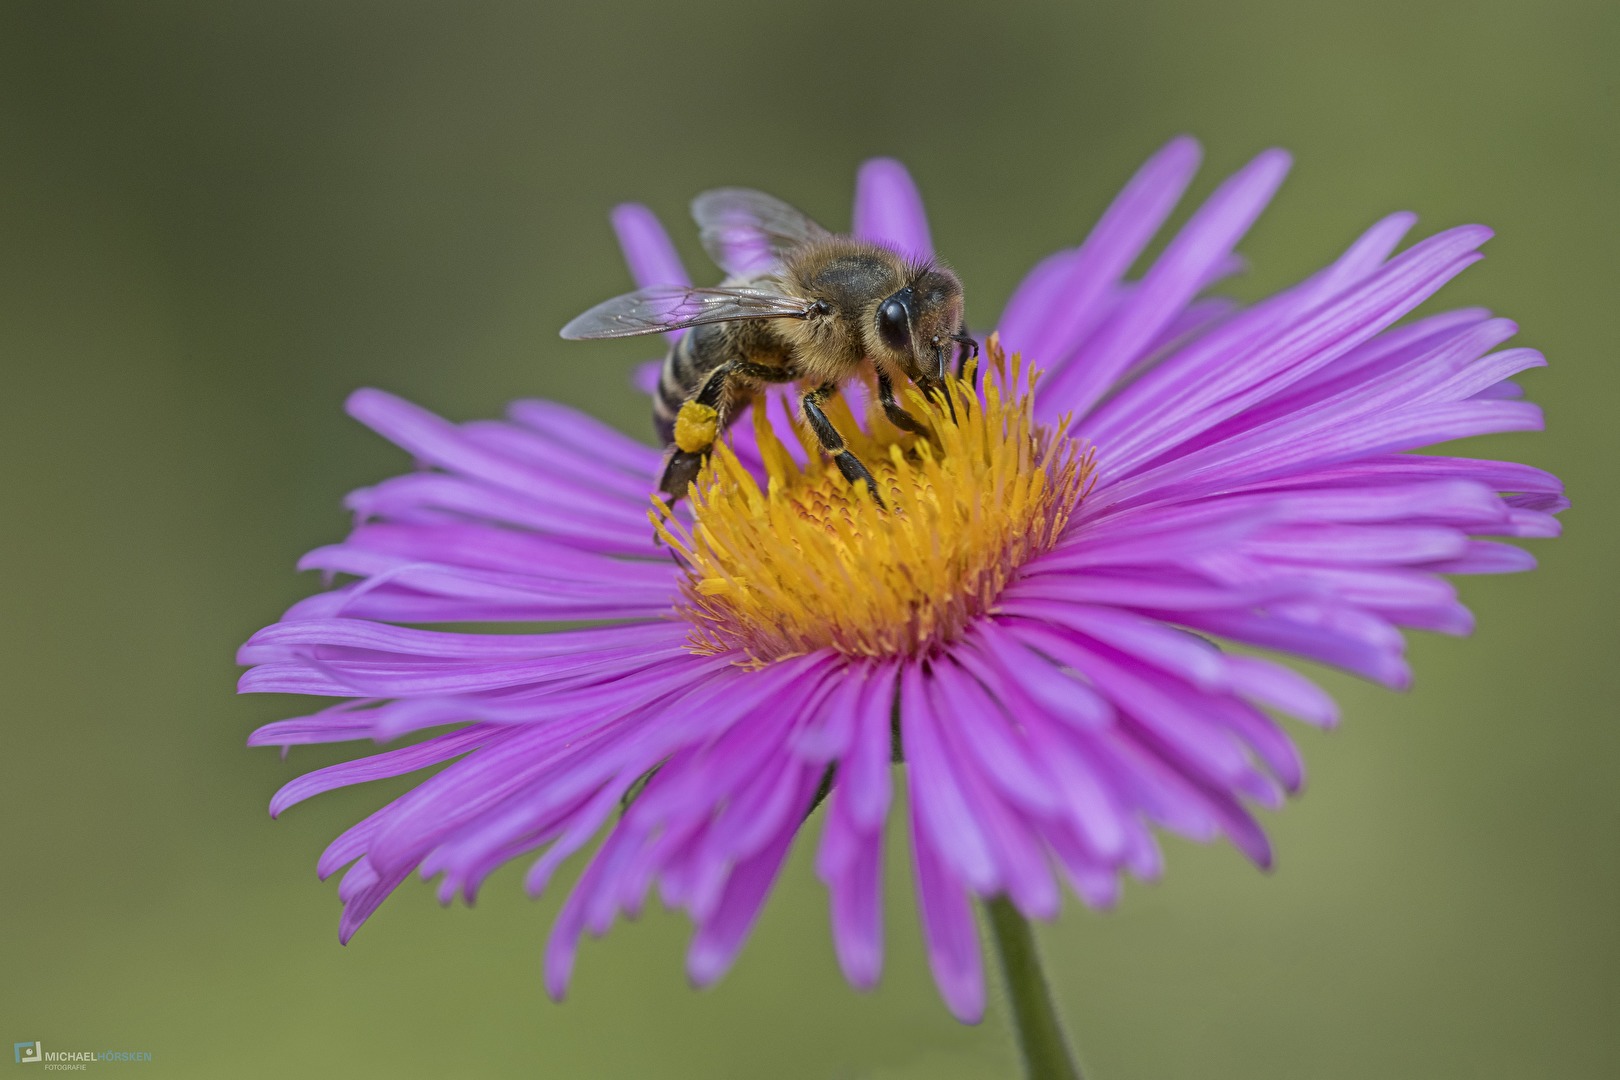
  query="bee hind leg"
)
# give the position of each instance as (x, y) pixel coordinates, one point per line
(680, 470)
(692, 434)
(703, 417)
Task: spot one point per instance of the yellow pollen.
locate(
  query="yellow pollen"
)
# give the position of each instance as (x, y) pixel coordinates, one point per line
(696, 427)
(813, 562)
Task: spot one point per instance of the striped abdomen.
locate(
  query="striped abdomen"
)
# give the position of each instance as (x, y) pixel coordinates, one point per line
(704, 348)
(688, 361)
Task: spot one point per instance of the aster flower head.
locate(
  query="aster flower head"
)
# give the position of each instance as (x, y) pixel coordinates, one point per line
(1033, 620)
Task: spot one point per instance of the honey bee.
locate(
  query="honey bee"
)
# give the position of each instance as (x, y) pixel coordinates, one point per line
(799, 304)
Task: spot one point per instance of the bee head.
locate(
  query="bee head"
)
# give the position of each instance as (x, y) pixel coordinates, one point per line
(916, 328)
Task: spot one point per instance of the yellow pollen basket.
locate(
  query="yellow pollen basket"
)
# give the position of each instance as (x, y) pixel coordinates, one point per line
(696, 427)
(813, 562)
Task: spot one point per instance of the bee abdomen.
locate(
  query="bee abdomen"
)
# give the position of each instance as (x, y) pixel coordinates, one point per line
(667, 401)
(683, 372)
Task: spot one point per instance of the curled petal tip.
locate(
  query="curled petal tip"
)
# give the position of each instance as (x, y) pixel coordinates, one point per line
(701, 973)
(1275, 158)
(559, 966)
(366, 400)
(1182, 148)
(969, 1008)
(863, 975)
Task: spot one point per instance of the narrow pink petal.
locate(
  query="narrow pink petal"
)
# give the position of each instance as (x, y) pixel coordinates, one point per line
(1026, 682)
(572, 427)
(591, 814)
(1243, 363)
(1273, 455)
(1023, 868)
(364, 896)
(864, 779)
(1149, 641)
(438, 442)
(381, 637)
(831, 720)
(343, 722)
(1487, 557)
(948, 928)
(888, 209)
(389, 763)
(851, 863)
(647, 249)
(718, 939)
(1325, 644)
(1281, 688)
(1052, 311)
(552, 455)
(936, 792)
(998, 749)
(441, 497)
(1183, 730)
(563, 945)
(1172, 282)
(1357, 544)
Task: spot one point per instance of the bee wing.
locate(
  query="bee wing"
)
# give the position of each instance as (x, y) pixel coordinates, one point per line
(672, 307)
(748, 232)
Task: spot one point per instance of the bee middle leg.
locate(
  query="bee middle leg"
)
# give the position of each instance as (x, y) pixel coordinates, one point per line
(833, 443)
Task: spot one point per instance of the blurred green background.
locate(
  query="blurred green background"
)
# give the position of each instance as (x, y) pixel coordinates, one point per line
(216, 219)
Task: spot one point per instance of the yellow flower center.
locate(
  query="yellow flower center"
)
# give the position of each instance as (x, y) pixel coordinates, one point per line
(813, 562)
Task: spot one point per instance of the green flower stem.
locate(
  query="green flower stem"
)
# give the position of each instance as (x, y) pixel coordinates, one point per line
(1041, 1039)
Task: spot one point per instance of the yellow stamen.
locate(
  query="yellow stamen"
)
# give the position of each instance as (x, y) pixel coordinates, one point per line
(814, 562)
(695, 427)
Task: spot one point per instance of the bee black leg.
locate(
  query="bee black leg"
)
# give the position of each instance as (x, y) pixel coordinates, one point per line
(684, 465)
(891, 408)
(833, 443)
(969, 349)
(682, 468)
(686, 462)
(761, 372)
(935, 390)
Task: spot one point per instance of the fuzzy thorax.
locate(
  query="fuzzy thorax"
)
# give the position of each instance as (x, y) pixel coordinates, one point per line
(812, 561)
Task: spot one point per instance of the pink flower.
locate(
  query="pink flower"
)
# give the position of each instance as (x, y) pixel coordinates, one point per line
(1034, 628)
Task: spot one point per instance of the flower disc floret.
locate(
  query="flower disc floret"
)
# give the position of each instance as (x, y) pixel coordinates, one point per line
(806, 560)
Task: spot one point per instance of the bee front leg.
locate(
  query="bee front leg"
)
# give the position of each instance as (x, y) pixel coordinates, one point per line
(891, 408)
(833, 443)
(968, 349)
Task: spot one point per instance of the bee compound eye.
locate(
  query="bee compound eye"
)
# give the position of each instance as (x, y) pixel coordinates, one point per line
(892, 323)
